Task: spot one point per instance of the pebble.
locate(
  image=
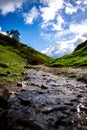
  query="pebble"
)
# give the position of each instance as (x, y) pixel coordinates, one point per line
(47, 102)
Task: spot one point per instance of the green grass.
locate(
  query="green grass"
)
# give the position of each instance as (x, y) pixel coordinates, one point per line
(31, 55)
(77, 59)
(16, 56)
(9, 57)
(12, 63)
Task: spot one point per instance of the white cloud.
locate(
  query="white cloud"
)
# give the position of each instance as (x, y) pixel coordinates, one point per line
(44, 2)
(64, 47)
(84, 35)
(67, 40)
(70, 9)
(59, 49)
(59, 22)
(54, 25)
(7, 6)
(78, 5)
(58, 26)
(2, 31)
(78, 2)
(85, 2)
(63, 34)
(31, 15)
(63, 30)
(49, 11)
(79, 28)
(47, 37)
(45, 25)
(72, 34)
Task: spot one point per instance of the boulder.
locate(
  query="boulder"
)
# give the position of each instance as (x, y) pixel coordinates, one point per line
(19, 84)
(22, 84)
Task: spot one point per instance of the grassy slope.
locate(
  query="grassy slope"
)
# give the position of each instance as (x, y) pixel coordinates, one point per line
(30, 54)
(14, 56)
(12, 63)
(77, 59)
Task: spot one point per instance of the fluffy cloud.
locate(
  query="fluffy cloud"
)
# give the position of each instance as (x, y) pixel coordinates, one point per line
(44, 2)
(69, 31)
(78, 2)
(79, 28)
(7, 6)
(70, 9)
(85, 2)
(62, 22)
(62, 48)
(59, 49)
(31, 15)
(51, 9)
(58, 26)
(67, 40)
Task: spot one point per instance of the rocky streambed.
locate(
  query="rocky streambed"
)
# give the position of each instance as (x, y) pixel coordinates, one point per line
(43, 101)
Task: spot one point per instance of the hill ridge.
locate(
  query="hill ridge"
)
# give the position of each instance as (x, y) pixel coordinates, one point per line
(15, 57)
(76, 59)
(31, 55)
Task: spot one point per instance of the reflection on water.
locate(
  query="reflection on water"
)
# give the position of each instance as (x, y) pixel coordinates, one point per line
(82, 113)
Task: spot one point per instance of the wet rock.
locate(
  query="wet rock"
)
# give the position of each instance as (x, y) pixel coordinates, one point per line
(3, 103)
(63, 121)
(22, 84)
(24, 101)
(44, 101)
(74, 100)
(19, 84)
(27, 78)
(83, 100)
(47, 110)
(79, 95)
(69, 103)
(68, 112)
(82, 127)
(43, 86)
(83, 107)
(30, 124)
(85, 77)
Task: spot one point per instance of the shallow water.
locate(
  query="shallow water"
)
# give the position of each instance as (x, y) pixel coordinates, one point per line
(48, 102)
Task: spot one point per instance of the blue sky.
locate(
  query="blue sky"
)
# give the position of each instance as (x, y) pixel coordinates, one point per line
(53, 27)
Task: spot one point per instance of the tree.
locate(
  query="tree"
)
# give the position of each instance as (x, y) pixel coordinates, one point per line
(14, 34)
(8, 33)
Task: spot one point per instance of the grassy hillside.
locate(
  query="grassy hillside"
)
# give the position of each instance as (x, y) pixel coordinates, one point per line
(11, 64)
(15, 56)
(77, 59)
(31, 55)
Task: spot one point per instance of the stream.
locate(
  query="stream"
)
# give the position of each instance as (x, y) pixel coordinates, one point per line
(47, 102)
